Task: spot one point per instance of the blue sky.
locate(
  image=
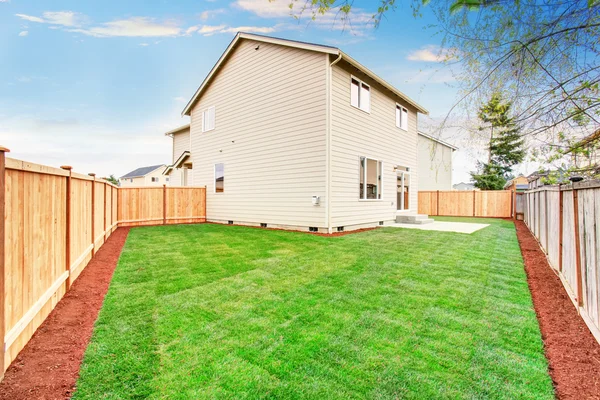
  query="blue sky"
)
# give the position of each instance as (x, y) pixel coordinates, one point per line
(95, 85)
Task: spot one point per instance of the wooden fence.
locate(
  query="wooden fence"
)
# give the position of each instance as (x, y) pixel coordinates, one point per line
(566, 222)
(476, 203)
(54, 222)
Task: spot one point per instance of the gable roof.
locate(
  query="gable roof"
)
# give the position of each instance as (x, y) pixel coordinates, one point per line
(177, 130)
(136, 173)
(454, 148)
(177, 163)
(298, 45)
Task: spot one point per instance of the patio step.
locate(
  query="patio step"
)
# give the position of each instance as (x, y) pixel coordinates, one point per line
(418, 219)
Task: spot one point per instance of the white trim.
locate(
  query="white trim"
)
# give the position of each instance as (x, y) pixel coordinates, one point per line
(20, 326)
(410, 184)
(207, 112)
(177, 130)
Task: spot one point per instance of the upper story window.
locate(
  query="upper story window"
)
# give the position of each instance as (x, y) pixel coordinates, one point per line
(154, 179)
(401, 117)
(208, 119)
(360, 94)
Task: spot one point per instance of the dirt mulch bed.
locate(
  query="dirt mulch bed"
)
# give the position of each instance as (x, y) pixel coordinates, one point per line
(572, 352)
(48, 367)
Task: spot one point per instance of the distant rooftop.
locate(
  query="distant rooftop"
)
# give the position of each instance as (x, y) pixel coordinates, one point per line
(136, 173)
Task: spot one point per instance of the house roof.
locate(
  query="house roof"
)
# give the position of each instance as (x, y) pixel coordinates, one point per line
(299, 45)
(177, 130)
(454, 148)
(136, 173)
(177, 163)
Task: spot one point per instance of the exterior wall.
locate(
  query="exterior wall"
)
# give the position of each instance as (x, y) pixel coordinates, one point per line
(435, 165)
(270, 133)
(147, 179)
(355, 133)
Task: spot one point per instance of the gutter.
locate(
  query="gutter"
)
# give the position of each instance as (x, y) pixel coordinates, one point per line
(328, 138)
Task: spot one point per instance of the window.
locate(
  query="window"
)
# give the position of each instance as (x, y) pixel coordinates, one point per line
(167, 179)
(154, 179)
(208, 119)
(219, 178)
(370, 179)
(360, 95)
(401, 117)
(131, 180)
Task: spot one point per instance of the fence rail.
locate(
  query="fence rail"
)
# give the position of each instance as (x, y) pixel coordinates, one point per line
(54, 222)
(565, 220)
(476, 203)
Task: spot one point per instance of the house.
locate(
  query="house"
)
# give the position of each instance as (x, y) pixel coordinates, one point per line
(464, 186)
(301, 136)
(518, 184)
(145, 176)
(435, 163)
(536, 179)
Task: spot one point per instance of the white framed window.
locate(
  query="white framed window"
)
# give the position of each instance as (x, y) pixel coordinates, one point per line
(219, 178)
(401, 117)
(208, 119)
(360, 94)
(154, 179)
(370, 178)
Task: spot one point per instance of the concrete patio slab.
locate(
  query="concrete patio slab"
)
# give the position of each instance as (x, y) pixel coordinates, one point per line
(443, 226)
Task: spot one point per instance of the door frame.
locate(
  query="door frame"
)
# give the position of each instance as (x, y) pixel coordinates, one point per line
(404, 174)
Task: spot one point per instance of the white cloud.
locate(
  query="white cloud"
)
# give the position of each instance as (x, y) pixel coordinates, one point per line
(211, 13)
(357, 22)
(180, 99)
(23, 33)
(191, 30)
(209, 30)
(431, 53)
(64, 18)
(131, 27)
(268, 8)
(144, 44)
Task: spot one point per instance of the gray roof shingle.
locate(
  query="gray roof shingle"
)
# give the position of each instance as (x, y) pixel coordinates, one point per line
(141, 171)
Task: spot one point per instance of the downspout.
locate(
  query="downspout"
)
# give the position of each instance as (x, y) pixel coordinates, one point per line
(329, 110)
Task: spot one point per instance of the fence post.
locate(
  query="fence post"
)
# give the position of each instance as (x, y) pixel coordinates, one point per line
(437, 204)
(3, 150)
(104, 234)
(68, 222)
(513, 204)
(560, 229)
(93, 212)
(473, 202)
(577, 249)
(164, 204)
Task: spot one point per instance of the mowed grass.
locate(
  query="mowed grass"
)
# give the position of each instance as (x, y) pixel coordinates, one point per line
(211, 311)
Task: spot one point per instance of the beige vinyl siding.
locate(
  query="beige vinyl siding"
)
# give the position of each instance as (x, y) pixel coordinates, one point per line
(181, 143)
(146, 180)
(270, 134)
(355, 133)
(435, 165)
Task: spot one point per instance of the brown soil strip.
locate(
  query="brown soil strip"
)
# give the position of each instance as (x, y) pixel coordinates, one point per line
(48, 367)
(573, 353)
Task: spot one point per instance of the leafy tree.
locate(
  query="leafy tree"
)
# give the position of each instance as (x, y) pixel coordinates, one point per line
(112, 180)
(505, 144)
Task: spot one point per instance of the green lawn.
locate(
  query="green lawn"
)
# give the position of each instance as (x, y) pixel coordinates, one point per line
(210, 311)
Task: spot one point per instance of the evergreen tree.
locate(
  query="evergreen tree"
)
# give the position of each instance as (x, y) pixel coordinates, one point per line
(505, 146)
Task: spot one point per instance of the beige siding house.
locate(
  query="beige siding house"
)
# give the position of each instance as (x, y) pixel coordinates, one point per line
(435, 163)
(145, 176)
(300, 136)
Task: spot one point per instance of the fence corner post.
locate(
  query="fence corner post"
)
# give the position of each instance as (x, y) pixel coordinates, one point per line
(3, 150)
(560, 228)
(577, 249)
(68, 225)
(93, 175)
(164, 204)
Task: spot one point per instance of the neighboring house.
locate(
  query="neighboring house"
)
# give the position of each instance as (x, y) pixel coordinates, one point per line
(536, 179)
(464, 186)
(145, 176)
(181, 171)
(519, 184)
(435, 163)
(299, 136)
